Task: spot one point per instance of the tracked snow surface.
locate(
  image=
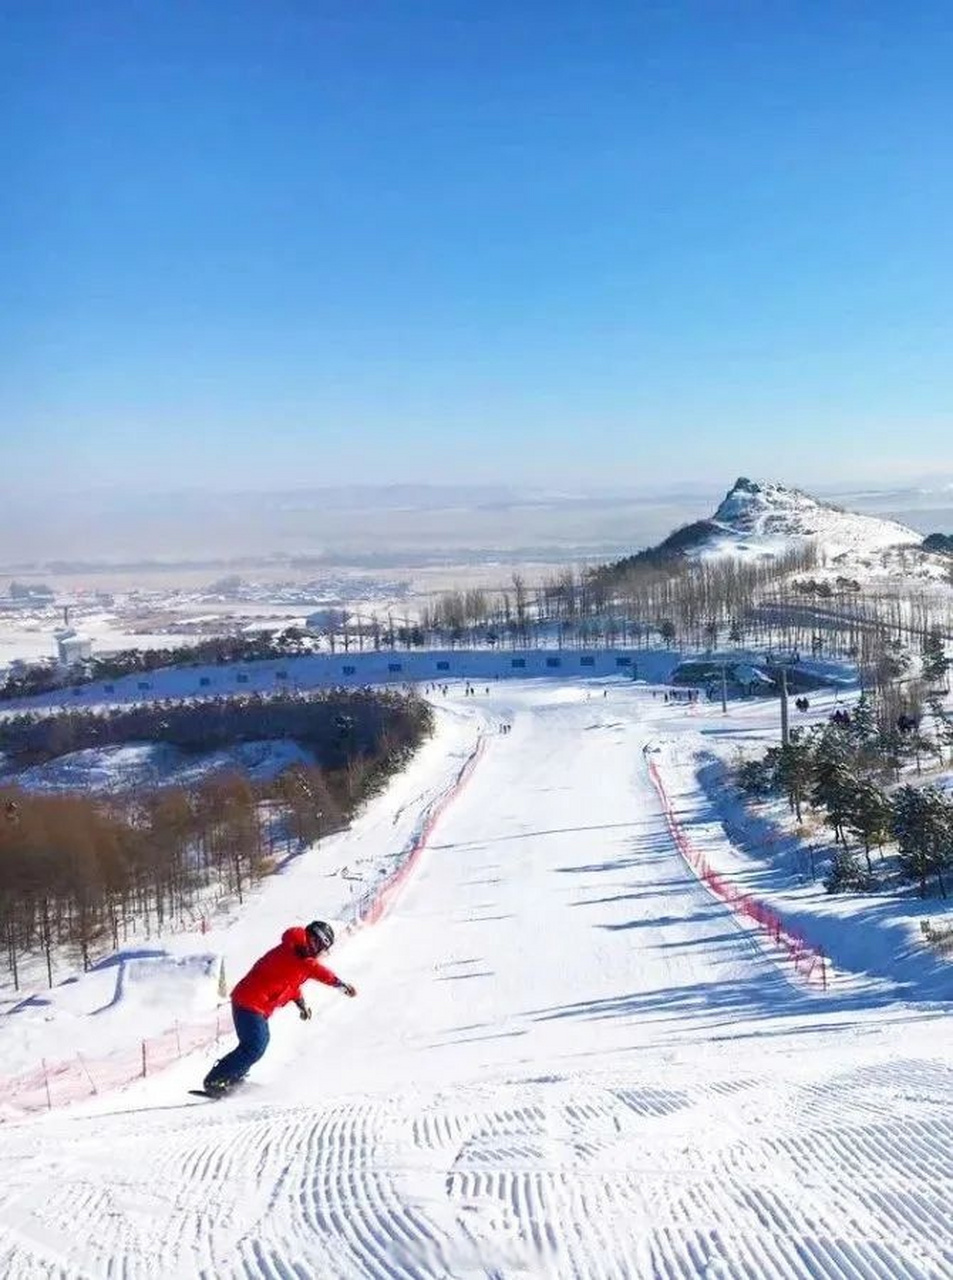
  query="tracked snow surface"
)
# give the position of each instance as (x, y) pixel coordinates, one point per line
(566, 1059)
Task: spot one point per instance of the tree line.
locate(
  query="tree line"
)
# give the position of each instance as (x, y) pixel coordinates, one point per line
(85, 872)
(641, 600)
(333, 723)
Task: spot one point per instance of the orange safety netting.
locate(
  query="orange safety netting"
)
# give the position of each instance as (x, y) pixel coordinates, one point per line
(55, 1084)
(809, 961)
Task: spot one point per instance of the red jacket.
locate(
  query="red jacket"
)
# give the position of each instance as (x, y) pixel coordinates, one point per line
(276, 978)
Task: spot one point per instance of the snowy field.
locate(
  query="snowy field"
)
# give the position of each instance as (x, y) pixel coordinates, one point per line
(567, 1057)
(150, 764)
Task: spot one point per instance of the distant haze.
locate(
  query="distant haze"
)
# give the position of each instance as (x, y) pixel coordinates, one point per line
(347, 525)
(384, 527)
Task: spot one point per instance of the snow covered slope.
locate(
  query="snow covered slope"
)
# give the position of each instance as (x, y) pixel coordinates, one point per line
(758, 521)
(567, 1059)
(761, 518)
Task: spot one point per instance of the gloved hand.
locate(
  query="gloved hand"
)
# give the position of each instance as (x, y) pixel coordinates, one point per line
(347, 988)
(304, 1013)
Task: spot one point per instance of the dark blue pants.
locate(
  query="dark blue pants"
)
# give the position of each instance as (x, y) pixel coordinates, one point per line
(252, 1031)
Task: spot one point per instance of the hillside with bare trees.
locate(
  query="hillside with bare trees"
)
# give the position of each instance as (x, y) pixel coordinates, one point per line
(84, 873)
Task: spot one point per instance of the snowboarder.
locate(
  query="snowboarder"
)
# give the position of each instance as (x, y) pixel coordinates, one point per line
(273, 981)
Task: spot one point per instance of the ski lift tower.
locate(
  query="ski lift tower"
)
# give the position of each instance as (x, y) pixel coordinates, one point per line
(780, 671)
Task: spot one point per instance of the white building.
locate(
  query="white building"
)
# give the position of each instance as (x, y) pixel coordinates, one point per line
(71, 647)
(328, 619)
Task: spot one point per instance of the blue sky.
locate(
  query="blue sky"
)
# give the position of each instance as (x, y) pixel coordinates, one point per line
(301, 243)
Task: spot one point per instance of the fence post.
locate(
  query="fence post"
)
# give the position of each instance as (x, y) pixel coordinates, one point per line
(92, 1083)
(222, 984)
(46, 1082)
(178, 1042)
(144, 1059)
(823, 970)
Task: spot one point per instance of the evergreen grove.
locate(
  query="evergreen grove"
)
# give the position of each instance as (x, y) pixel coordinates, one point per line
(850, 771)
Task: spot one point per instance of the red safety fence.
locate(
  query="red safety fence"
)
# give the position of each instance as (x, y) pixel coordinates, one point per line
(375, 903)
(809, 960)
(55, 1084)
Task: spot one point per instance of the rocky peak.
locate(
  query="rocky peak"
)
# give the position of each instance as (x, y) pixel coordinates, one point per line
(748, 504)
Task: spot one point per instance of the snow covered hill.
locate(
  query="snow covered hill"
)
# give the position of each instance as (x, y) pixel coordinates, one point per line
(567, 1060)
(757, 520)
(153, 764)
(758, 517)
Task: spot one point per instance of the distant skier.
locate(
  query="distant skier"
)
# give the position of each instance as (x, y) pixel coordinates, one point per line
(273, 981)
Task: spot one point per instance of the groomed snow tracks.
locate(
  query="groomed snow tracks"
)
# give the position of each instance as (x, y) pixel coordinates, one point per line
(849, 1180)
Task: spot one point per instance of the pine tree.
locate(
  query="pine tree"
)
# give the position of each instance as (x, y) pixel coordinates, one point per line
(863, 721)
(846, 873)
(935, 663)
(795, 770)
(895, 660)
(756, 777)
(919, 745)
(891, 750)
(833, 783)
(907, 826)
(922, 823)
(943, 725)
(939, 835)
(869, 816)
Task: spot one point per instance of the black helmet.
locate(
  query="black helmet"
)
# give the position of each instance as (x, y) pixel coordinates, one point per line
(320, 935)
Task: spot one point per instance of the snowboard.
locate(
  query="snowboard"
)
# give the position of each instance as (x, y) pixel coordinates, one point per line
(218, 1094)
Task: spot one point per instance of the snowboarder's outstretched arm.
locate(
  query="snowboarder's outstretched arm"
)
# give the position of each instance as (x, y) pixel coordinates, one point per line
(321, 973)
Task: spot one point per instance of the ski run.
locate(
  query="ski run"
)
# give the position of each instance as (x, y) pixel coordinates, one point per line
(567, 1058)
